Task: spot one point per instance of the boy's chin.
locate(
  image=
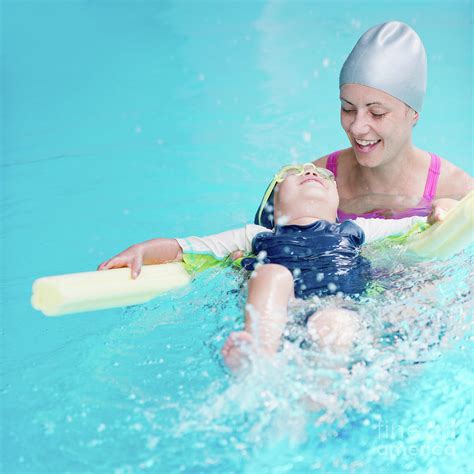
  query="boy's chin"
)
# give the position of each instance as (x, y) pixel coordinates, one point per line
(315, 193)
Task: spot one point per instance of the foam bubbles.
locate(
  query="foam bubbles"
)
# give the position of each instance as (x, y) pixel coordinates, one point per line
(282, 220)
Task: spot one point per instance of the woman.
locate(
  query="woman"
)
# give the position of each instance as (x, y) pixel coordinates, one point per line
(382, 85)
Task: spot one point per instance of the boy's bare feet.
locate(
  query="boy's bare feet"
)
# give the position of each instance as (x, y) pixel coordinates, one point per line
(236, 350)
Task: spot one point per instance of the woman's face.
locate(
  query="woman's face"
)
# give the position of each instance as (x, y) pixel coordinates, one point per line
(379, 126)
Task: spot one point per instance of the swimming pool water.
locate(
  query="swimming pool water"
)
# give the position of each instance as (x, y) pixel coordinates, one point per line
(123, 121)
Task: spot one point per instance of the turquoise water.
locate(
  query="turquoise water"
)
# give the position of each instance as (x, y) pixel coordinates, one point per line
(124, 121)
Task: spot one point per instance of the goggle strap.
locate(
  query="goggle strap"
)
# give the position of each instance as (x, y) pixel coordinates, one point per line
(265, 199)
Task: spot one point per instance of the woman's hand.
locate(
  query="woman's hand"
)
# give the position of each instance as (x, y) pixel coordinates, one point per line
(131, 257)
(439, 209)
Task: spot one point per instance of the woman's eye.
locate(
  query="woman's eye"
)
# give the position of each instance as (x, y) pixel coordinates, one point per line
(347, 110)
(379, 114)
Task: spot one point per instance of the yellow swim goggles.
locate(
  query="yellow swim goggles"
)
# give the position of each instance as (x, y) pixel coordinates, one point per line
(285, 171)
(298, 170)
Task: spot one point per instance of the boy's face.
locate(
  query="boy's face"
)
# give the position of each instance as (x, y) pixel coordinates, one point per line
(306, 194)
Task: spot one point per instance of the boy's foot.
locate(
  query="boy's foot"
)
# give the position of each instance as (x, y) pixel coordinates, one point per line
(236, 350)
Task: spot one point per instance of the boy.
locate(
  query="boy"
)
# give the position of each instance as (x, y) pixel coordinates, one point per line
(307, 253)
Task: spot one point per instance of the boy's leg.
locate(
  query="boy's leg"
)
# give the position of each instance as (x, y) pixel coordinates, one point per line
(266, 312)
(334, 329)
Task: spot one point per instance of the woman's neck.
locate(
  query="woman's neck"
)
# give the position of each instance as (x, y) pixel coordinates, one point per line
(397, 176)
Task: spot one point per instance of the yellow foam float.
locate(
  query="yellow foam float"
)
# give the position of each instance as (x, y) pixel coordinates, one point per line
(448, 237)
(90, 291)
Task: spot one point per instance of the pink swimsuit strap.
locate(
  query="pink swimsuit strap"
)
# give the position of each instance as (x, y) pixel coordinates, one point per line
(331, 163)
(432, 179)
(422, 209)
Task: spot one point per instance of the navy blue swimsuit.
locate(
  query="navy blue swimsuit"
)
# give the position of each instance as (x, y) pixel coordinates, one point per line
(323, 257)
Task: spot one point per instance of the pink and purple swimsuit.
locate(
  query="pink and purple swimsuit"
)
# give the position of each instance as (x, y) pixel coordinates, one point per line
(423, 207)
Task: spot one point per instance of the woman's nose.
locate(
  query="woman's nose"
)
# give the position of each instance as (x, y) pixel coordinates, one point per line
(359, 125)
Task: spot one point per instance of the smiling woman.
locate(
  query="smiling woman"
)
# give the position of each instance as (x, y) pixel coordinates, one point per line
(382, 174)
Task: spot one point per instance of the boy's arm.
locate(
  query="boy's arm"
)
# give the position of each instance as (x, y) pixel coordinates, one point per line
(375, 229)
(161, 251)
(172, 250)
(221, 245)
(149, 252)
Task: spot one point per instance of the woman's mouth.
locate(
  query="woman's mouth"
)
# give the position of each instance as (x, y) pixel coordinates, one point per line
(365, 146)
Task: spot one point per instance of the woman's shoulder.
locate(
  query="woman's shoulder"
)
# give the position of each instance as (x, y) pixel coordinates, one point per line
(321, 162)
(453, 181)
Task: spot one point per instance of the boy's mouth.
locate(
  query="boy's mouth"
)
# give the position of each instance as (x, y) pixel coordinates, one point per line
(310, 179)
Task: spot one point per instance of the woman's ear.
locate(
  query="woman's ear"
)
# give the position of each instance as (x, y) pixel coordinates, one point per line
(415, 118)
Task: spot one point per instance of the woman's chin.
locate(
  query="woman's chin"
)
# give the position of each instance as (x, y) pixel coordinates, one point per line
(368, 160)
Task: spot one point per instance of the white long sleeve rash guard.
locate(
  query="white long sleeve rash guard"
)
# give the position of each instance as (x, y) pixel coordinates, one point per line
(223, 244)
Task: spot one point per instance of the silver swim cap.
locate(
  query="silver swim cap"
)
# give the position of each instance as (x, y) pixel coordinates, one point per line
(389, 57)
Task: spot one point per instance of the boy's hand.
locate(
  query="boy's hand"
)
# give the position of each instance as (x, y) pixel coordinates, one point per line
(131, 257)
(439, 209)
(237, 254)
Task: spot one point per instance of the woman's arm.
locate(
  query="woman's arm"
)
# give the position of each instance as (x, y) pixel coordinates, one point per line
(439, 208)
(453, 183)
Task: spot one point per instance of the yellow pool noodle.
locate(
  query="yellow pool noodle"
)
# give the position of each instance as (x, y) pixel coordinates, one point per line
(448, 237)
(90, 291)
